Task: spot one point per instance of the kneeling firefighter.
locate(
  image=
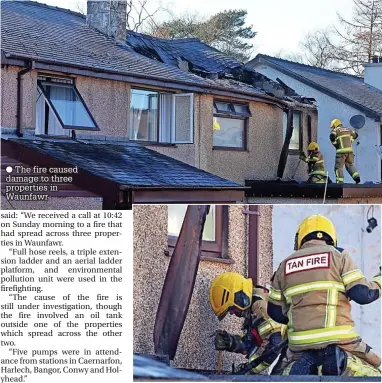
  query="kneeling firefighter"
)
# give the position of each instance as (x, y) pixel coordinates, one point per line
(232, 293)
(316, 165)
(311, 293)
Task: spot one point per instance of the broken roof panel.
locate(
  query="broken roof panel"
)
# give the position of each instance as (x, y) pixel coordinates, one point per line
(200, 55)
(127, 163)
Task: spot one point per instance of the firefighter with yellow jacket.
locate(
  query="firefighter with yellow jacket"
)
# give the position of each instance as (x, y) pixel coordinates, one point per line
(311, 293)
(232, 293)
(342, 139)
(316, 165)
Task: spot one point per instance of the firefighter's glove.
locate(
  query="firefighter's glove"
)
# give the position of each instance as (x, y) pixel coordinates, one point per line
(284, 332)
(223, 340)
(302, 156)
(377, 280)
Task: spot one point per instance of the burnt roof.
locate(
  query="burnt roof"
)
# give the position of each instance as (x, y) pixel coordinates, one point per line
(57, 36)
(127, 163)
(203, 57)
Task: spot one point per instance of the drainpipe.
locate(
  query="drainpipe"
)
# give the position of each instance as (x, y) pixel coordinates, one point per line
(253, 243)
(21, 73)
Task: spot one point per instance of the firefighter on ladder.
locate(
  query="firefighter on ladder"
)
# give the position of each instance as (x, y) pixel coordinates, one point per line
(316, 165)
(311, 293)
(342, 139)
(232, 293)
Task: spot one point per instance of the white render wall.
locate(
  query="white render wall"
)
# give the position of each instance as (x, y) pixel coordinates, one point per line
(350, 222)
(367, 159)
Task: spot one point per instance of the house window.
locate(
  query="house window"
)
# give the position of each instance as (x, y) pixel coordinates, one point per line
(60, 107)
(295, 144)
(214, 234)
(230, 125)
(161, 117)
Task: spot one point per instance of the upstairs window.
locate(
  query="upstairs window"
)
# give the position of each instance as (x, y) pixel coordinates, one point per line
(295, 144)
(60, 107)
(215, 233)
(230, 125)
(161, 117)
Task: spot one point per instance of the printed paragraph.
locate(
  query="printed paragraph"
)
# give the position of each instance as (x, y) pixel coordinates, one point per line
(62, 280)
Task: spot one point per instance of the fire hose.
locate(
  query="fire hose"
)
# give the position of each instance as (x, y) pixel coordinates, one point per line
(254, 363)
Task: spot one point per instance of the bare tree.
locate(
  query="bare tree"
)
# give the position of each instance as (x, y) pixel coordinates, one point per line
(81, 7)
(137, 14)
(317, 49)
(361, 38)
(290, 56)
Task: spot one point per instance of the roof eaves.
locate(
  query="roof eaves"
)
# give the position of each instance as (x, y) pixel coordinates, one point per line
(369, 112)
(197, 87)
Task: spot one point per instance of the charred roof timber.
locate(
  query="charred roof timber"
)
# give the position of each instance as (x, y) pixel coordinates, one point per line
(192, 55)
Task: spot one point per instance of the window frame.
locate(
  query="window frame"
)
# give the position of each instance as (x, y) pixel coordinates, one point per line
(233, 115)
(309, 128)
(172, 141)
(212, 250)
(70, 83)
(300, 134)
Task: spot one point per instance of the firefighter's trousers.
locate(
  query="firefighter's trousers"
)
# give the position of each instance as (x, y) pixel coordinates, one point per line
(316, 179)
(346, 159)
(361, 360)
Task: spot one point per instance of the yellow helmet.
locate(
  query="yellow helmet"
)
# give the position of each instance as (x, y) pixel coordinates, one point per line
(313, 146)
(335, 123)
(230, 290)
(315, 227)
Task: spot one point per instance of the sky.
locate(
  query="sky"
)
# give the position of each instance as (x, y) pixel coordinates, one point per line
(280, 24)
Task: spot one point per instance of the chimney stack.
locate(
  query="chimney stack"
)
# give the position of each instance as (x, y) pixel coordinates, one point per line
(108, 17)
(373, 72)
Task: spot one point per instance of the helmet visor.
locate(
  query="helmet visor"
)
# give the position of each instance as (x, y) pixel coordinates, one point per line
(242, 300)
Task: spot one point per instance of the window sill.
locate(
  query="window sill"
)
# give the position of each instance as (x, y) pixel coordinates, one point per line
(153, 143)
(227, 148)
(228, 261)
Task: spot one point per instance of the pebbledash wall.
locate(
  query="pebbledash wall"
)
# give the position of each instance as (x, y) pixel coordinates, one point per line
(196, 348)
(109, 101)
(364, 248)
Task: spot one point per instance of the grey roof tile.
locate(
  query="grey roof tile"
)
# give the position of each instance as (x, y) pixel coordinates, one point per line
(127, 163)
(39, 31)
(351, 88)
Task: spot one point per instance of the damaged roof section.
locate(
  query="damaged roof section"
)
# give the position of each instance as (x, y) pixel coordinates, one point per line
(201, 57)
(194, 56)
(59, 39)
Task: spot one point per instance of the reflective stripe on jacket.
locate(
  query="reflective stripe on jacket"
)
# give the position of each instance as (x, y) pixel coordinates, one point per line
(342, 138)
(310, 286)
(316, 164)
